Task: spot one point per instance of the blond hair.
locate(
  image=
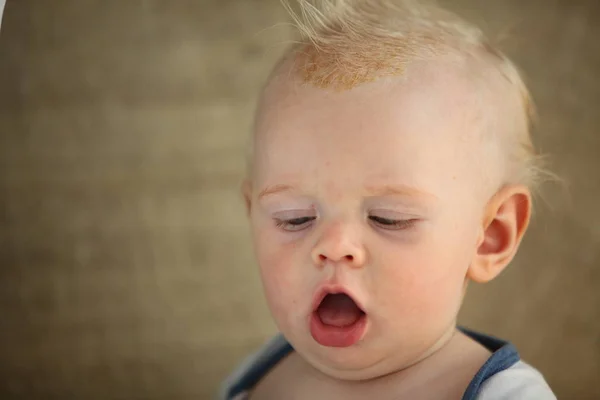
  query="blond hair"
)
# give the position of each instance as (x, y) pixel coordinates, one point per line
(345, 43)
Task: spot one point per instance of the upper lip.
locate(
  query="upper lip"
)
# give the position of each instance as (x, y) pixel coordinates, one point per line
(324, 290)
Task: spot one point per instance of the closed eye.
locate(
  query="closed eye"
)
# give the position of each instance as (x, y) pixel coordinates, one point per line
(393, 224)
(294, 224)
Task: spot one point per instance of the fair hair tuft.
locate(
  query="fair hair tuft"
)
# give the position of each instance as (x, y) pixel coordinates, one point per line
(345, 43)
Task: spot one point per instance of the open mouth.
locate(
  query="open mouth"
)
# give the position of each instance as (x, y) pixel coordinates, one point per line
(337, 320)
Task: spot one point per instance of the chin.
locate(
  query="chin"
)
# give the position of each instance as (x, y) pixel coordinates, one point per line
(354, 363)
(348, 364)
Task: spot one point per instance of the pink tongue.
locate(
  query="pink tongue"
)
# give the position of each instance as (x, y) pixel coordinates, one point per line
(338, 310)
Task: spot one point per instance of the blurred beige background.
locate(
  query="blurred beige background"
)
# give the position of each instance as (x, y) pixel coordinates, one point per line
(126, 270)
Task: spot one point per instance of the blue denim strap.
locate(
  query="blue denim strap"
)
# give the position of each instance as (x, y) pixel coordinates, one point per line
(260, 367)
(504, 355)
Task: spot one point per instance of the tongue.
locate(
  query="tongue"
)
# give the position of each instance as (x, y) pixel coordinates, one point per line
(338, 310)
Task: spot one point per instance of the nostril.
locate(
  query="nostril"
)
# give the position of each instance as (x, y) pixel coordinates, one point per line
(348, 257)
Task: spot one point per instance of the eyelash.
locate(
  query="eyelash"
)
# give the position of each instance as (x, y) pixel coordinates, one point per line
(294, 224)
(297, 224)
(393, 224)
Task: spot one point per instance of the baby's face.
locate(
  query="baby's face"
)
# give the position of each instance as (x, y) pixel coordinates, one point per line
(376, 192)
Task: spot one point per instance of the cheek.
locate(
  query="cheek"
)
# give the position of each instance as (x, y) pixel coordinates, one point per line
(425, 279)
(278, 270)
(421, 283)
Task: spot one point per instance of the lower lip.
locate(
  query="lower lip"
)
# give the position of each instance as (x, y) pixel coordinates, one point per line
(334, 336)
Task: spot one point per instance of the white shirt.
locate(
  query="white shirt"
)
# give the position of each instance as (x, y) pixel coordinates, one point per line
(2, 2)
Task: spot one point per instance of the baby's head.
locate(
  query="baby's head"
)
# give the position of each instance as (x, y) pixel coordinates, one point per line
(392, 163)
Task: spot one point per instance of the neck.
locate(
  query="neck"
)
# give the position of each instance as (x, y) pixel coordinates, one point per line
(450, 363)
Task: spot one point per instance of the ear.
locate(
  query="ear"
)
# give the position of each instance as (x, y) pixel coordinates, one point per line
(246, 190)
(505, 221)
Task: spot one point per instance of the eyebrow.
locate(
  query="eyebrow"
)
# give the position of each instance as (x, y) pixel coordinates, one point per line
(399, 190)
(385, 190)
(269, 190)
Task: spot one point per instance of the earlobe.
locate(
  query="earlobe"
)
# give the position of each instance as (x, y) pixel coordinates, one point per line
(246, 190)
(505, 221)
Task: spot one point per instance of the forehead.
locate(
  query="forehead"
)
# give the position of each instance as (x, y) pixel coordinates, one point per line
(418, 128)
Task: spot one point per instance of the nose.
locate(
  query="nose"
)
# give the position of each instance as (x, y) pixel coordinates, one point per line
(339, 243)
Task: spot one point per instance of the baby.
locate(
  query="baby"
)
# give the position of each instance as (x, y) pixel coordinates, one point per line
(392, 165)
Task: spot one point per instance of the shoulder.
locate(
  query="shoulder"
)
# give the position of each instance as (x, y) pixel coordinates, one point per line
(519, 382)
